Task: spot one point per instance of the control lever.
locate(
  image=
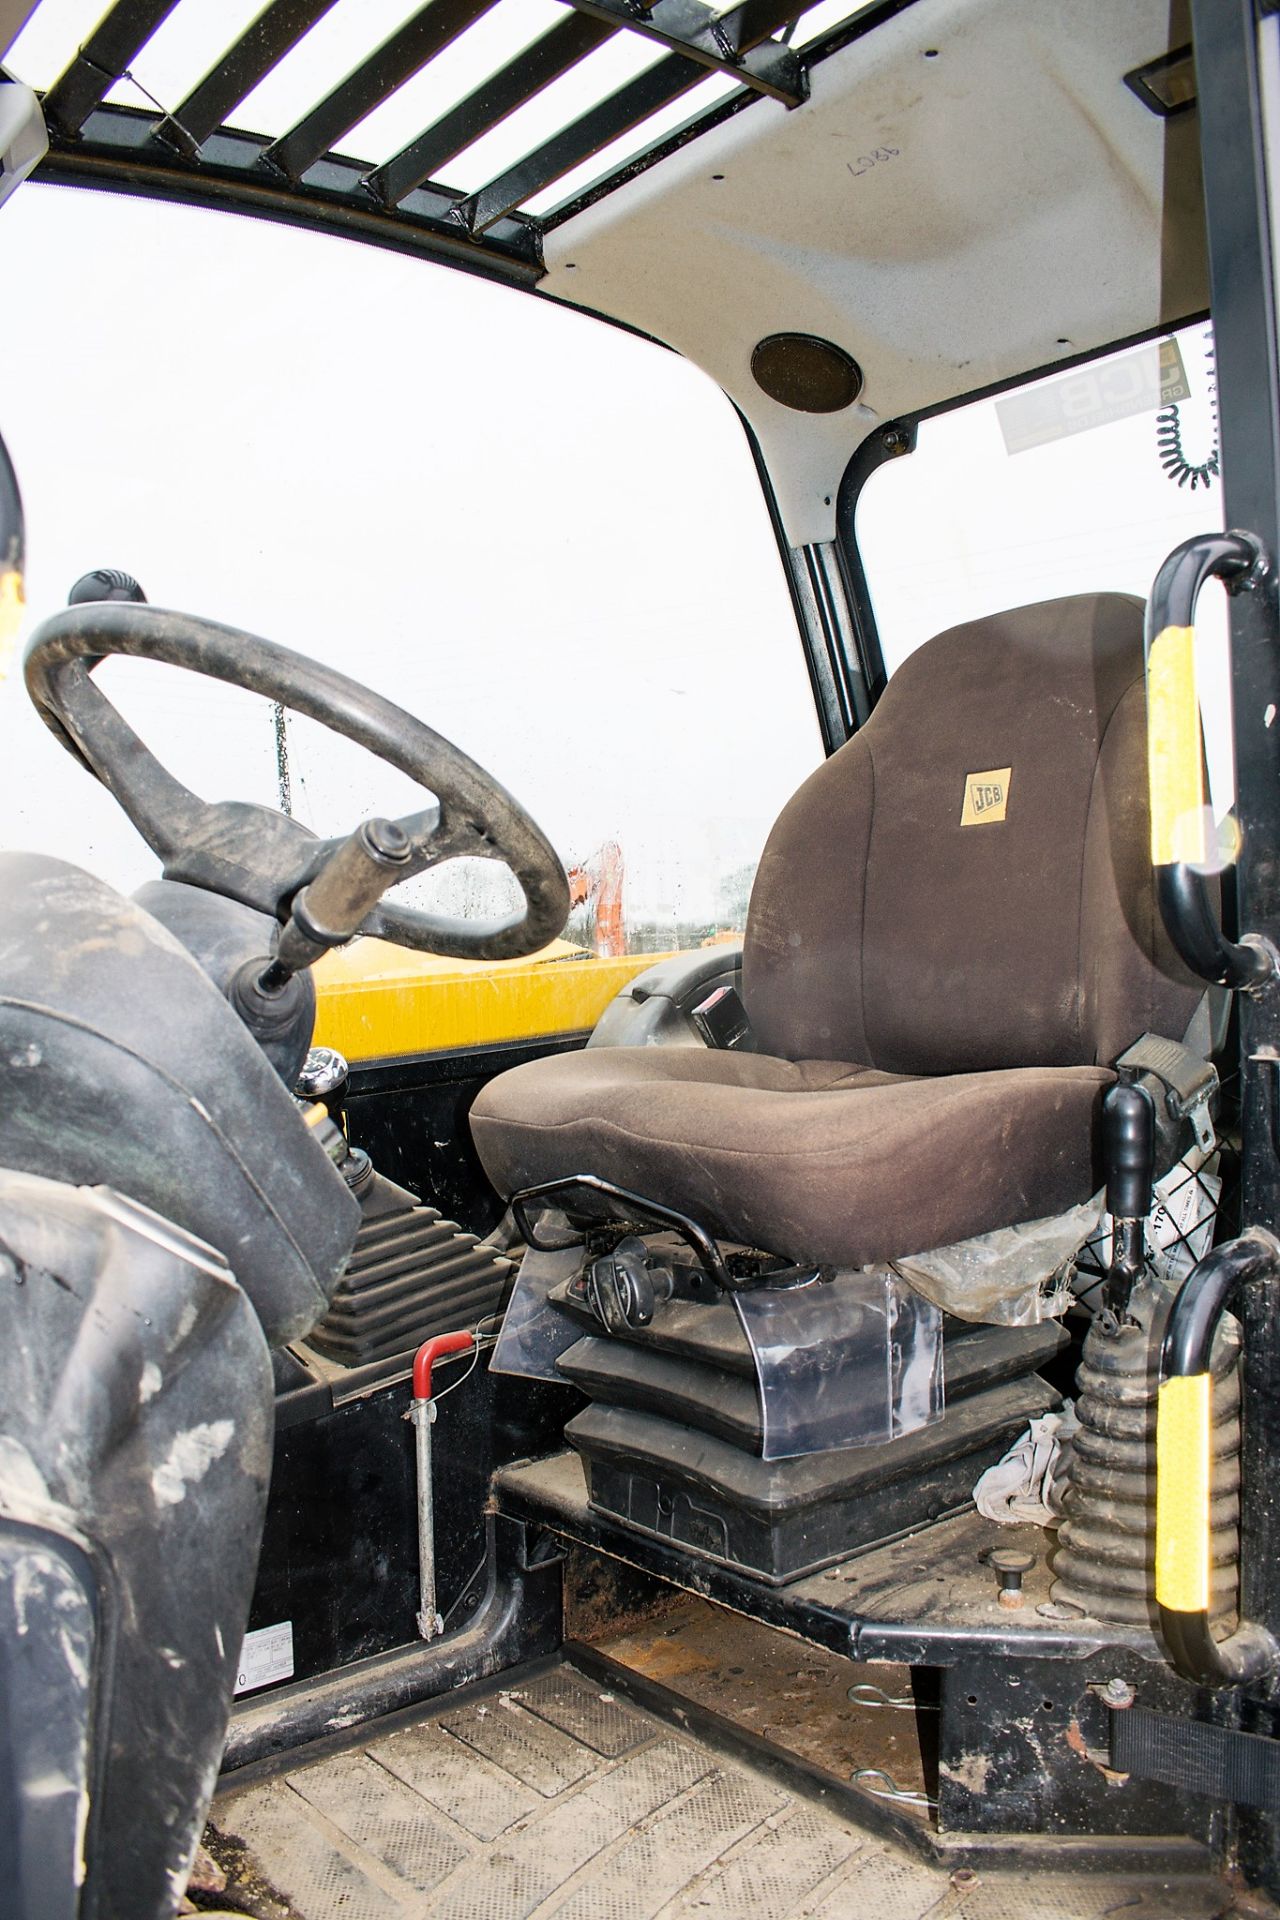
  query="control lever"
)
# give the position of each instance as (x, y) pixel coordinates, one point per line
(323, 1076)
(329, 910)
(1129, 1155)
(422, 1412)
(326, 913)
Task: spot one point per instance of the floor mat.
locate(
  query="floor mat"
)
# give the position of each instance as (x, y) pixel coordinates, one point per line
(557, 1798)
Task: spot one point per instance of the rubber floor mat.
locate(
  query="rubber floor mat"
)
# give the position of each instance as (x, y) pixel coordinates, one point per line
(559, 1801)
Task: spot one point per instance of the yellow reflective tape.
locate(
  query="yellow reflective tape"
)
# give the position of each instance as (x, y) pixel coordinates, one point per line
(1174, 762)
(1184, 1418)
(12, 600)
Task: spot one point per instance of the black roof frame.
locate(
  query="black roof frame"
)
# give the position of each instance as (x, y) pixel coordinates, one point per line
(189, 152)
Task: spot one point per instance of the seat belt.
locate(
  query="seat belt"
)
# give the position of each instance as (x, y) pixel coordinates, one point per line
(1187, 1078)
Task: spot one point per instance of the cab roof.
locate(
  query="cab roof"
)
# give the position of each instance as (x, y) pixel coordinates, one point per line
(949, 193)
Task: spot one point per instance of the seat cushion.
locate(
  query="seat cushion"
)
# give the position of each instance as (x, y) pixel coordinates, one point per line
(815, 1160)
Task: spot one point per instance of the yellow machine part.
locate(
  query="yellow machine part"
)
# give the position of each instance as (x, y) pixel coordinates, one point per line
(377, 1001)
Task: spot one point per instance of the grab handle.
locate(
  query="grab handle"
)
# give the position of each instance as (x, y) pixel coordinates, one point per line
(1184, 1471)
(1175, 761)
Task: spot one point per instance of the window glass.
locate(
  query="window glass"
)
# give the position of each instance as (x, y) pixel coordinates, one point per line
(541, 535)
(1080, 483)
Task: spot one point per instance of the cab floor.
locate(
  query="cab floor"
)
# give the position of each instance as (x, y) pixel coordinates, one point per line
(557, 1797)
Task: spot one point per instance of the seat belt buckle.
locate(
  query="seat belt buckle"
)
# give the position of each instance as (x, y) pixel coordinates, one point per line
(723, 1021)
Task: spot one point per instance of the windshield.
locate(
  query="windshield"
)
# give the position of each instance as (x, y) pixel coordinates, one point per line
(541, 535)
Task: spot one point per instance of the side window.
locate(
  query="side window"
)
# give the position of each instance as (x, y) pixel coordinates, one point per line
(1080, 483)
(541, 535)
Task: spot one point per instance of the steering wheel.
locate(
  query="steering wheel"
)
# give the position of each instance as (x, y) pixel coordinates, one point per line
(254, 854)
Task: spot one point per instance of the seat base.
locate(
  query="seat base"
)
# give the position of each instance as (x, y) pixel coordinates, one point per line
(704, 1488)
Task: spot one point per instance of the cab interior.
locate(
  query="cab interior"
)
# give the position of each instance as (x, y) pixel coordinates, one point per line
(439, 1317)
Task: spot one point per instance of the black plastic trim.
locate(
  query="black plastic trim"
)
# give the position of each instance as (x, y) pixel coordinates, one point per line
(889, 442)
(518, 1620)
(1137, 81)
(120, 153)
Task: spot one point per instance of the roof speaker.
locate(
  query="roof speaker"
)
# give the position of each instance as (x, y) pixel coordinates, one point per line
(798, 370)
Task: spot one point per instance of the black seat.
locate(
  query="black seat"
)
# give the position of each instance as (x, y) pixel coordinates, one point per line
(953, 935)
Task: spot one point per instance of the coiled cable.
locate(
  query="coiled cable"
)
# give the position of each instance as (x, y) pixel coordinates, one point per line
(1169, 433)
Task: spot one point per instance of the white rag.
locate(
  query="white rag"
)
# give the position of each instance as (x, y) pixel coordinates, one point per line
(1026, 1484)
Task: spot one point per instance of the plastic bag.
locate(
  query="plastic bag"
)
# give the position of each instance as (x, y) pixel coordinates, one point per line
(999, 1278)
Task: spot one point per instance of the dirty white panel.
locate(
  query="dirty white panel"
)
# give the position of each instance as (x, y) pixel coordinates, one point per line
(970, 193)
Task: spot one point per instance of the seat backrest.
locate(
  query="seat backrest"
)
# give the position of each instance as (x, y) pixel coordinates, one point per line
(966, 885)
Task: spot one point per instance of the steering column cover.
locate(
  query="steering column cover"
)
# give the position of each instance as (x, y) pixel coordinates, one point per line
(124, 1065)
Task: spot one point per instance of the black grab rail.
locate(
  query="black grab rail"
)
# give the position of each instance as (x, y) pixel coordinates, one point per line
(1184, 1432)
(1175, 761)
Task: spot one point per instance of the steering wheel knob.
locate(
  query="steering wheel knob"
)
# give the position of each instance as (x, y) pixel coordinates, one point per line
(105, 583)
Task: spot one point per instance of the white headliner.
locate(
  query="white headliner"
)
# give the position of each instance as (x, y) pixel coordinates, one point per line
(1021, 209)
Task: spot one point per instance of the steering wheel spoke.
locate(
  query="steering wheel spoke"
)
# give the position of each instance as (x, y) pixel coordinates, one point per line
(249, 853)
(101, 739)
(252, 853)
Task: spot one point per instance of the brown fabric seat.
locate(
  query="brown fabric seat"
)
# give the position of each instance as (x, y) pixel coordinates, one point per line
(952, 935)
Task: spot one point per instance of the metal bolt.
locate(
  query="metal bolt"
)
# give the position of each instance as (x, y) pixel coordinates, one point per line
(1011, 1566)
(1118, 1693)
(895, 440)
(964, 1879)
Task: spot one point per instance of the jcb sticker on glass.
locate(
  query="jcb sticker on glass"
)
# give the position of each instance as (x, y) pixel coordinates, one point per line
(986, 795)
(1120, 387)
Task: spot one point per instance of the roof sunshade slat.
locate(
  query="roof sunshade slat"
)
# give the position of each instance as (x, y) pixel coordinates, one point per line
(723, 42)
(520, 80)
(279, 26)
(115, 42)
(540, 109)
(400, 56)
(603, 124)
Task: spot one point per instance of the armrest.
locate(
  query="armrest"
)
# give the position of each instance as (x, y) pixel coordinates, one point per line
(653, 1009)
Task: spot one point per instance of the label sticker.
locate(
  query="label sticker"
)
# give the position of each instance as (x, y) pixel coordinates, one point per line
(267, 1655)
(986, 795)
(1137, 382)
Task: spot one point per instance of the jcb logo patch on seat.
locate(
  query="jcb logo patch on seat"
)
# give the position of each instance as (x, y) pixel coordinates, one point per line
(986, 795)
